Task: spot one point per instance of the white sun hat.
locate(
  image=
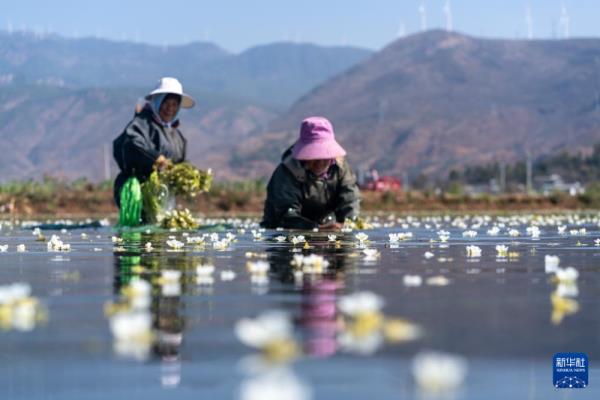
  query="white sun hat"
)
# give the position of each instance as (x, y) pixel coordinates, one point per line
(172, 85)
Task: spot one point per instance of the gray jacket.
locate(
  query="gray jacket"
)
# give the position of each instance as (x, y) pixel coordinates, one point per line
(297, 199)
(137, 148)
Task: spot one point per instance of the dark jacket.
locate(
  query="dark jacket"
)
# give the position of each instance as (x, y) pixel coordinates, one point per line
(297, 199)
(137, 148)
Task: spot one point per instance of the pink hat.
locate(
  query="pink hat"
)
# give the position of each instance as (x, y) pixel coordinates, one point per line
(317, 141)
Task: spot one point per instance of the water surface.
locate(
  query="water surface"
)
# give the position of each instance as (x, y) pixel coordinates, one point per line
(495, 312)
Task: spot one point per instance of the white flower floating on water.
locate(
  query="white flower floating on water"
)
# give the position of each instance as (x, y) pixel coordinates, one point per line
(197, 240)
(533, 231)
(365, 326)
(170, 276)
(138, 294)
(270, 332)
(513, 233)
(470, 234)
(14, 292)
(566, 275)
(227, 275)
(297, 239)
(562, 307)
(561, 229)
(221, 244)
(258, 272)
(364, 337)
(444, 238)
(494, 231)
(257, 267)
(439, 280)
(569, 289)
(438, 373)
(371, 254)
(250, 254)
(359, 303)
(3, 248)
(428, 255)
(274, 384)
(230, 237)
(312, 264)
(473, 251)
(21, 248)
(597, 242)
(55, 244)
(443, 234)
(361, 237)
(204, 275)
(412, 280)
(502, 250)
(132, 333)
(175, 244)
(18, 309)
(331, 238)
(257, 235)
(148, 246)
(551, 264)
(170, 282)
(280, 239)
(397, 237)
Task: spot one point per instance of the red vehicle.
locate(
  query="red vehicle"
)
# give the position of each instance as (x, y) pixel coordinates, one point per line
(384, 184)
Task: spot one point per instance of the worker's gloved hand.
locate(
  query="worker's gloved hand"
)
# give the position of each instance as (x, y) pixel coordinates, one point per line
(334, 226)
(161, 162)
(328, 219)
(329, 223)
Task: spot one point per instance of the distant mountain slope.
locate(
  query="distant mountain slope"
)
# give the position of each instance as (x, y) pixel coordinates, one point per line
(64, 132)
(439, 100)
(274, 75)
(424, 104)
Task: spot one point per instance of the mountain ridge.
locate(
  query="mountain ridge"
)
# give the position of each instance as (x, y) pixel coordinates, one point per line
(91, 62)
(438, 100)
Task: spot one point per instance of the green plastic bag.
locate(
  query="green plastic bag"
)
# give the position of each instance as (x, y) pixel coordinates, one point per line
(130, 213)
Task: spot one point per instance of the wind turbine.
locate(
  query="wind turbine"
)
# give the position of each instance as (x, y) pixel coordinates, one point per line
(401, 30)
(529, 22)
(565, 22)
(448, 13)
(423, 14)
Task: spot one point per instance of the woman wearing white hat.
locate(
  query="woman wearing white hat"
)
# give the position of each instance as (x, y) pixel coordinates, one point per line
(153, 137)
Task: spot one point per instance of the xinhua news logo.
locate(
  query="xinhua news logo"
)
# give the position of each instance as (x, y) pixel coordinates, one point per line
(570, 370)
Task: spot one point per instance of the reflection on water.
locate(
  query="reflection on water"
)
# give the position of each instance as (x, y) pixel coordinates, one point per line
(157, 320)
(430, 307)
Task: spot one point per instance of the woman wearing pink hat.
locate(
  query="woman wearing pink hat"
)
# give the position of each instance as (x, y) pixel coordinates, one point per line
(153, 137)
(313, 186)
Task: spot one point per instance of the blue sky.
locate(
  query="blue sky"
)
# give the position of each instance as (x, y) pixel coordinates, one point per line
(237, 25)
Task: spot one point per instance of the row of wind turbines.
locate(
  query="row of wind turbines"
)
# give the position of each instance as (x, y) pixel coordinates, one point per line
(564, 21)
